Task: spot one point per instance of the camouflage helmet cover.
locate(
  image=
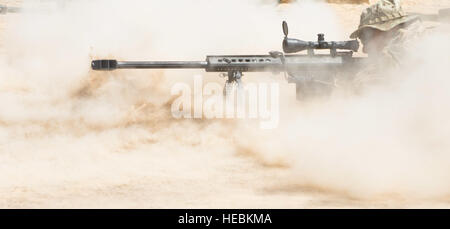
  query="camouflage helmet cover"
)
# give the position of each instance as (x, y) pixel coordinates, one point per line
(384, 16)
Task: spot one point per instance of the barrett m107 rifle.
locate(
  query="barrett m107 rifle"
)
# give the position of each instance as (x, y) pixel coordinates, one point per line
(312, 73)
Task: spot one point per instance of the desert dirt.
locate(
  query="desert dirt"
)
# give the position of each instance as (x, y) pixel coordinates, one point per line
(73, 138)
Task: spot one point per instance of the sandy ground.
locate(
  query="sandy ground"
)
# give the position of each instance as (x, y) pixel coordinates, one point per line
(53, 157)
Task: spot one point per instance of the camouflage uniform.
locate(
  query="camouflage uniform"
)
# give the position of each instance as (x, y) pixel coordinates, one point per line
(387, 15)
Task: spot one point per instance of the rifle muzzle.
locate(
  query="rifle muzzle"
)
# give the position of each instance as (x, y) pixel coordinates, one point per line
(105, 65)
(291, 45)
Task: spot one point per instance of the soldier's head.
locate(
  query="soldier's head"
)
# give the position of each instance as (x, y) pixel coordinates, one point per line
(379, 23)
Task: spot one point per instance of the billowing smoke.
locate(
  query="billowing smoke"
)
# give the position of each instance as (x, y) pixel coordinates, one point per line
(390, 140)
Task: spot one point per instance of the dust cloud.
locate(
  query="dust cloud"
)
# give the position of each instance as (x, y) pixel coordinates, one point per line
(76, 138)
